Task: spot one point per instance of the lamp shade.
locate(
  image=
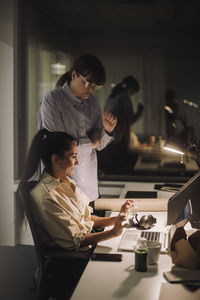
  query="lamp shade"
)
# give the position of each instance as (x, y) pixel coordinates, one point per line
(173, 146)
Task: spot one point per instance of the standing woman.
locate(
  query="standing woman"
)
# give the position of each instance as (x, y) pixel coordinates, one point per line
(72, 108)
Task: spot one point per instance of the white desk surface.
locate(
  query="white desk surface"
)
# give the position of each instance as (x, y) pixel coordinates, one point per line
(190, 163)
(116, 280)
(143, 186)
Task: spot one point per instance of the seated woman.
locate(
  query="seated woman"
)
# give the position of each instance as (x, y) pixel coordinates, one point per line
(60, 208)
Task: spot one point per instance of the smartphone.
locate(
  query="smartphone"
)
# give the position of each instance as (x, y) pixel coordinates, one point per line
(106, 256)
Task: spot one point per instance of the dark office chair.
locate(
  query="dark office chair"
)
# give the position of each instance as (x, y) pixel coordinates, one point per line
(58, 270)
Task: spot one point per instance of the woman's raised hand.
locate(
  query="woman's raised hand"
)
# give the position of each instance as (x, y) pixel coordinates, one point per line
(126, 206)
(120, 223)
(109, 121)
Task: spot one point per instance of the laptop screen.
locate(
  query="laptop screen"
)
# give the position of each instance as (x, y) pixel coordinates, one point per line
(186, 201)
(184, 216)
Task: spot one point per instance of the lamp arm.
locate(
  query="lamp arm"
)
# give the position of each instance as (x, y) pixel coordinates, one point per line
(194, 144)
(197, 149)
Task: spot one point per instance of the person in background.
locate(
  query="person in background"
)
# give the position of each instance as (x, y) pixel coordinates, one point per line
(59, 206)
(72, 108)
(177, 129)
(120, 104)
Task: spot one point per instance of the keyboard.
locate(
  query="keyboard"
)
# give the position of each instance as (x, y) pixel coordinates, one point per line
(151, 235)
(129, 239)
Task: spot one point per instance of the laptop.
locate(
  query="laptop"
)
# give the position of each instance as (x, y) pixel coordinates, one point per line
(164, 236)
(129, 238)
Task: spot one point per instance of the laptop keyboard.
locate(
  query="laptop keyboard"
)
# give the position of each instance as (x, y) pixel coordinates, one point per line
(151, 235)
(129, 239)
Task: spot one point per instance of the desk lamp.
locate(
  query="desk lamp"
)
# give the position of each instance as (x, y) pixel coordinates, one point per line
(194, 144)
(175, 149)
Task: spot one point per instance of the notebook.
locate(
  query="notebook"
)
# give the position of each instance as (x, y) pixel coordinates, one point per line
(129, 238)
(178, 291)
(186, 277)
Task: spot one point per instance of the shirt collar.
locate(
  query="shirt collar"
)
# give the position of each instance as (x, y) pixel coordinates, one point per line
(52, 183)
(68, 92)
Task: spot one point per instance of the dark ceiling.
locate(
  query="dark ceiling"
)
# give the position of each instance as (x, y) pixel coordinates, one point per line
(124, 16)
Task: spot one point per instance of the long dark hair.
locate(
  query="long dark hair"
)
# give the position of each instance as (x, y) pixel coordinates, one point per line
(87, 64)
(127, 83)
(43, 146)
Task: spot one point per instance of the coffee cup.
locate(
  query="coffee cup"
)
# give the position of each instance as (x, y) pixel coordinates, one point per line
(153, 252)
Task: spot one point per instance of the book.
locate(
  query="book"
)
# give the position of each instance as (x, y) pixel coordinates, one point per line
(186, 277)
(179, 291)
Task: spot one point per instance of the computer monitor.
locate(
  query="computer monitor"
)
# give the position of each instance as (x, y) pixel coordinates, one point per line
(187, 196)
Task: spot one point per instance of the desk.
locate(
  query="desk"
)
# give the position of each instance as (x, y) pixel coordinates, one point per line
(164, 162)
(116, 280)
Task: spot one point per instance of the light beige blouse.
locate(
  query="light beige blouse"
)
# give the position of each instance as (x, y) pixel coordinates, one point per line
(61, 211)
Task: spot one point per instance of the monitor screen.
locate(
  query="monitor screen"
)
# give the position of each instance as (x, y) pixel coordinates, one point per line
(184, 216)
(188, 194)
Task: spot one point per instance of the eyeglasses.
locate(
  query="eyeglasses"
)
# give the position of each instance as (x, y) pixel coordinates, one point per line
(91, 85)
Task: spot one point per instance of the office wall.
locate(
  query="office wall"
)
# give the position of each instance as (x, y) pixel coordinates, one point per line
(6, 124)
(40, 78)
(46, 43)
(41, 51)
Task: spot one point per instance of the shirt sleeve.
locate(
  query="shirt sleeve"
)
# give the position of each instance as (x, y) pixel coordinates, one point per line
(61, 225)
(85, 146)
(49, 116)
(105, 139)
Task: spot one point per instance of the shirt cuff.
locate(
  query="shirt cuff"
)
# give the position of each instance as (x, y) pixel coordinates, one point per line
(106, 135)
(110, 134)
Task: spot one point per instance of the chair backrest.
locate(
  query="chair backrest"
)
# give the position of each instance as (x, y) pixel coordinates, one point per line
(25, 198)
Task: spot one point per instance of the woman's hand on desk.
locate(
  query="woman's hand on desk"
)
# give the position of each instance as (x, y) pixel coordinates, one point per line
(126, 206)
(119, 224)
